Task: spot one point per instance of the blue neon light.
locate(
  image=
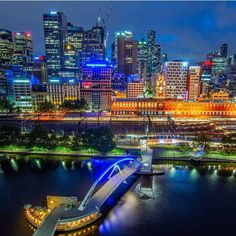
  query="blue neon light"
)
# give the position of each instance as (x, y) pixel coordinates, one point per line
(54, 80)
(53, 12)
(96, 65)
(107, 170)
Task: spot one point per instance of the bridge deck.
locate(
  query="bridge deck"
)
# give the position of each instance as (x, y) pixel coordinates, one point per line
(50, 224)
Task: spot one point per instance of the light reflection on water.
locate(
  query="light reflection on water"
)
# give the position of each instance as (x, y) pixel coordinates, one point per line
(179, 190)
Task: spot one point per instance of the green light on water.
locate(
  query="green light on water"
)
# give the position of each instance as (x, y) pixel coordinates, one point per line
(14, 165)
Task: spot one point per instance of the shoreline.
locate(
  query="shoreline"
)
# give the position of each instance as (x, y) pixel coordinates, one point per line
(97, 155)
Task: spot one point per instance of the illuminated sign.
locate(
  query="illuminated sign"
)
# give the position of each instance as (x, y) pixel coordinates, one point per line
(96, 65)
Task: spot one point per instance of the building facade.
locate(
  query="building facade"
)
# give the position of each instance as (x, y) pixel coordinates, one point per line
(96, 86)
(142, 58)
(174, 108)
(176, 74)
(6, 47)
(160, 86)
(194, 75)
(154, 54)
(135, 89)
(23, 48)
(93, 46)
(126, 54)
(55, 30)
(58, 92)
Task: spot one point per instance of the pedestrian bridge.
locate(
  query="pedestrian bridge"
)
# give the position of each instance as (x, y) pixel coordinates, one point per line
(63, 219)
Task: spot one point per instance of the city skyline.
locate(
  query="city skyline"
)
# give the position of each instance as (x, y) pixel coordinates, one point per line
(207, 24)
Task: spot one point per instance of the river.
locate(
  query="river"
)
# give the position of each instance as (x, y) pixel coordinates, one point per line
(187, 200)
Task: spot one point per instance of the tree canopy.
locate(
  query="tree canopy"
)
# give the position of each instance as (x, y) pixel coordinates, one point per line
(46, 106)
(6, 105)
(202, 141)
(9, 134)
(76, 105)
(100, 138)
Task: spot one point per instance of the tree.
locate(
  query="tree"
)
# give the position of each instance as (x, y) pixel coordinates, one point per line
(9, 134)
(202, 141)
(74, 105)
(46, 106)
(39, 136)
(228, 142)
(100, 138)
(6, 105)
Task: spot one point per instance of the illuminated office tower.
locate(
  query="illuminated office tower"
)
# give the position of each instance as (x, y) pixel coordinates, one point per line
(219, 64)
(55, 30)
(142, 58)
(224, 50)
(75, 37)
(59, 91)
(37, 69)
(22, 88)
(119, 34)
(71, 63)
(125, 53)
(194, 75)
(154, 54)
(3, 84)
(6, 47)
(160, 86)
(23, 48)
(176, 74)
(93, 46)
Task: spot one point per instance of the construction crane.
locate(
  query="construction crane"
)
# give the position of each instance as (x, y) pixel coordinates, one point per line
(102, 21)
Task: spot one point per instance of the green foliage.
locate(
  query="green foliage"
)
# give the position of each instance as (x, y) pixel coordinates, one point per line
(6, 105)
(9, 134)
(46, 106)
(75, 105)
(100, 138)
(202, 141)
(39, 136)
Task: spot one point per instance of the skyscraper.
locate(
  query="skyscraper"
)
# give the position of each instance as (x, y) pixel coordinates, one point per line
(119, 34)
(224, 50)
(176, 74)
(126, 53)
(75, 36)
(194, 73)
(93, 45)
(6, 47)
(154, 54)
(23, 48)
(55, 29)
(142, 58)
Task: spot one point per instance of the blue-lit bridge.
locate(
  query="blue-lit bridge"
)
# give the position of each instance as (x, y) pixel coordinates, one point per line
(63, 219)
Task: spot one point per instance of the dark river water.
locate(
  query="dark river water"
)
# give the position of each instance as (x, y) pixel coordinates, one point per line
(187, 200)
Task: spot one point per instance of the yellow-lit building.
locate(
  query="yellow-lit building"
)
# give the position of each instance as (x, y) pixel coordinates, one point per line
(59, 92)
(135, 89)
(175, 108)
(219, 96)
(160, 86)
(194, 73)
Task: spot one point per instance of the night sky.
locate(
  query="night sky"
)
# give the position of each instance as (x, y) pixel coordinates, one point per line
(185, 30)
